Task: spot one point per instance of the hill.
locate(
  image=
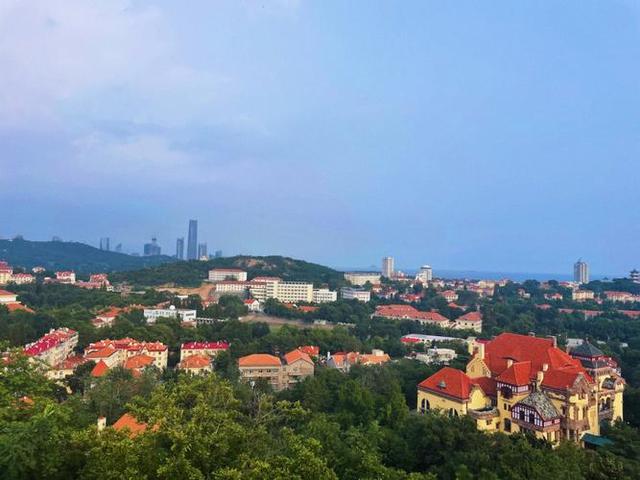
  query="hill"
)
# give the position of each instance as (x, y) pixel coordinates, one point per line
(75, 256)
(191, 274)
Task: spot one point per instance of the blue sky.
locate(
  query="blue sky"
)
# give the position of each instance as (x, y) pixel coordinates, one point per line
(469, 135)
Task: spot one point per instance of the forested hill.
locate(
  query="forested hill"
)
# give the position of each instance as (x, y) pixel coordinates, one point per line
(72, 256)
(194, 272)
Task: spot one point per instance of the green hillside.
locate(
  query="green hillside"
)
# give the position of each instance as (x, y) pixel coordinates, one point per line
(194, 272)
(72, 256)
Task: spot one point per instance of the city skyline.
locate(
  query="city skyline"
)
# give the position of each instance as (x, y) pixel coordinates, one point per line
(483, 137)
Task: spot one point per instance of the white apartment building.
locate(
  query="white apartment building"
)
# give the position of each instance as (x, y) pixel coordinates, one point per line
(324, 295)
(231, 286)
(221, 274)
(388, 267)
(361, 278)
(54, 347)
(359, 294)
(288, 292)
(425, 274)
(68, 277)
(185, 315)
(581, 272)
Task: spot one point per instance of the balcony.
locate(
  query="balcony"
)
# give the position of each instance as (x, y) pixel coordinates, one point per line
(484, 413)
(606, 414)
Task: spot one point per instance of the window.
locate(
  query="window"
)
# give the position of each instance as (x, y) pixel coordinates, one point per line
(522, 415)
(532, 418)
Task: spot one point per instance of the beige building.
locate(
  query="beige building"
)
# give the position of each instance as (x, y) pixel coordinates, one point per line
(579, 295)
(517, 383)
(126, 348)
(196, 364)
(324, 295)
(361, 278)
(54, 347)
(279, 373)
(221, 274)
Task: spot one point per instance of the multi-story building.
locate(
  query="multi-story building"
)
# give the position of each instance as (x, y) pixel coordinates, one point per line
(388, 267)
(54, 347)
(22, 278)
(6, 272)
(359, 279)
(152, 249)
(623, 297)
(185, 315)
(202, 252)
(469, 321)
(180, 248)
(8, 297)
(343, 361)
(324, 295)
(105, 244)
(117, 352)
(67, 277)
(581, 272)
(192, 240)
(519, 383)
(210, 349)
(279, 373)
(222, 274)
(349, 293)
(634, 276)
(196, 364)
(425, 274)
(449, 295)
(407, 312)
(580, 295)
(263, 288)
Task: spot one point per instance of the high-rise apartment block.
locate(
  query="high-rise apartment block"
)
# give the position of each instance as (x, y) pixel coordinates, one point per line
(387, 267)
(581, 272)
(180, 248)
(104, 244)
(151, 249)
(425, 274)
(202, 251)
(192, 240)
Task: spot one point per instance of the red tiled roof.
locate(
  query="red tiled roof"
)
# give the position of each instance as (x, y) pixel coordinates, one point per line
(295, 355)
(5, 293)
(204, 346)
(311, 350)
(517, 374)
(408, 312)
(100, 369)
(195, 361)
(487, 384)
(471, 317)
(138, 361)
(258, 360)
(17, 306)
(449, 381)
(48, 341)
(128, 421)
(101, 353)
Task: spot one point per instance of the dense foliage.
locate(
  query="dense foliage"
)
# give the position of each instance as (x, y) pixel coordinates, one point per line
(192, 273)
(75, 256)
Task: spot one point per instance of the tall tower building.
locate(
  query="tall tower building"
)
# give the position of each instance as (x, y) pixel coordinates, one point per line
(180, 248)
(581, 272)
(387, 267)
(202, 251)
(104, 244)
(192, 240)
(634, 275)
(152, 249)
(425, 274)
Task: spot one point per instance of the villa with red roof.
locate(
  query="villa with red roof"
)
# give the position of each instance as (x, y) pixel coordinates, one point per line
(54, 347)
(117, 352)
(209, 349)
(280, 373)
(469, 321)
(521, 383)
(407, 312)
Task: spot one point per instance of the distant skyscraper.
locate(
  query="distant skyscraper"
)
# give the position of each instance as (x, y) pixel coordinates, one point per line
(425, 274)
(180, 248)
(387, 267)
(202, 251)
(104, 244)
(218, 253)
(152, 248)
(192, 240)
(581, 272)
(635, 276)
(119, 248)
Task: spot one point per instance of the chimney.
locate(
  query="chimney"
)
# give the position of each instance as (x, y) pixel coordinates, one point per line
(545, 367)
(509, 362)
(481, 350)
(102, 423)
(540, 376)
(554, 339)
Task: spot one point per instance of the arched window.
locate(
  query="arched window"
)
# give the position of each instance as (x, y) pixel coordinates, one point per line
(424, 405)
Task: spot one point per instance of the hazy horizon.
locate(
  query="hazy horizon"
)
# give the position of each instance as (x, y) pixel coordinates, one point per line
(478, 137)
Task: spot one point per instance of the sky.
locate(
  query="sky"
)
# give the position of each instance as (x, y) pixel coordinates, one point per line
(490, 136)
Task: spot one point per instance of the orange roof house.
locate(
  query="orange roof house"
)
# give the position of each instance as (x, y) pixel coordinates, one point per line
(128, 422)
(259, 359)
